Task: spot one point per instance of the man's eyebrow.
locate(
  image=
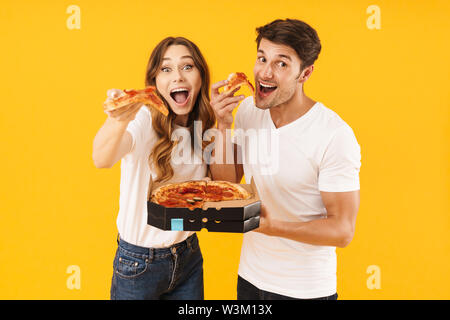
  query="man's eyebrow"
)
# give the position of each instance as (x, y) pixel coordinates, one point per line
(285, 56)
(183, 57)
(280, 55)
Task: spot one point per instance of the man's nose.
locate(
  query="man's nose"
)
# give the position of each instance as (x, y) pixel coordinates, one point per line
(267, 72)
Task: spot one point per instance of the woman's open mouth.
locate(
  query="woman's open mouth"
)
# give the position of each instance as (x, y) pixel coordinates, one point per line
(265, 89)
(180, 96)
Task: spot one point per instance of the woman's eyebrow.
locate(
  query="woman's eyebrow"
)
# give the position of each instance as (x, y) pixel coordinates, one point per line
(183, 57)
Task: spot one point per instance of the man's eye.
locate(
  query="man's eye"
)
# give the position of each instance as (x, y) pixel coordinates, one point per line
(262, 59)
(282, 64)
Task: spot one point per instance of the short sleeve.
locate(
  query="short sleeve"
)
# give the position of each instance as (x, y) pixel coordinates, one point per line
(140, 129)
(341, 162)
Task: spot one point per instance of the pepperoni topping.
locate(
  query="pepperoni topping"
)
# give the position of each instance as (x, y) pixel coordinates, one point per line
(214, 190)
(189, 190)
(131, 93)
(227, 194)
(171, 203)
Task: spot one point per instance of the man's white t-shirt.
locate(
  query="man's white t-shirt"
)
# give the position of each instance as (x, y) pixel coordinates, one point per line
(316, 152)
(134, 185)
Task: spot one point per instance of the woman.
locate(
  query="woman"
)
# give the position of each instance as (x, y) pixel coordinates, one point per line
(151, 263)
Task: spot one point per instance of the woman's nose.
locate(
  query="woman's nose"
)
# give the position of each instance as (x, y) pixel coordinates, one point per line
(178, 76)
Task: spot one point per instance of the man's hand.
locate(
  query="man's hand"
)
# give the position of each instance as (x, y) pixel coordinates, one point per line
(223, 104)
(265, 222)
(336, 229)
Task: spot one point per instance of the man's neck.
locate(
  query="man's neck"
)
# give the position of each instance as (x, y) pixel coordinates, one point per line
(290, 111)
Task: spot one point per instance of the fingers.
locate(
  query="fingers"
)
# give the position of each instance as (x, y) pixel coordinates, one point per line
(228, 106)
(114, 93)
(216, 86)
(227, 109)
(125, 113)
(232, 92)
(217, 98)
(227, 101)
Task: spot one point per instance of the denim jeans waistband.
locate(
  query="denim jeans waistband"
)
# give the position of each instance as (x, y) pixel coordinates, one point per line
(157, 252)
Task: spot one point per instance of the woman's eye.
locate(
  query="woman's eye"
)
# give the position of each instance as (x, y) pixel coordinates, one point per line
(165, 69)
(188, 67)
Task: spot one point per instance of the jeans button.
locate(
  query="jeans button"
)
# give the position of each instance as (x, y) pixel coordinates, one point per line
(174, 250)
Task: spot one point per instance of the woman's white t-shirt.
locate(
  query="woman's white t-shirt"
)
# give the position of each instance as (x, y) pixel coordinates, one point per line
(134, 185)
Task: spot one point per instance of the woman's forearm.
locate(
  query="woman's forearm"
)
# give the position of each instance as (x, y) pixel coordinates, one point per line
(107, 142)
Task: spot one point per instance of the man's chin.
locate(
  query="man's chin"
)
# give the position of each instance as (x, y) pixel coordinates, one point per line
(262, 105)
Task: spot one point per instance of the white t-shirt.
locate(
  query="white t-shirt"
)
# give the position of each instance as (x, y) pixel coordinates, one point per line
(134, 185)
(317, 152)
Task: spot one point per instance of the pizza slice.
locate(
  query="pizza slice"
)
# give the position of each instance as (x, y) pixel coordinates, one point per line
(224, 190)
(238, 79)
(148, 96)
(189, 194)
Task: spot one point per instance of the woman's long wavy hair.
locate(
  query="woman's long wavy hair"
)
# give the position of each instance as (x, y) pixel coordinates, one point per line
(160, 157)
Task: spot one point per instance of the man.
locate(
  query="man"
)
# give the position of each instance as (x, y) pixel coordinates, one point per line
(311, 198)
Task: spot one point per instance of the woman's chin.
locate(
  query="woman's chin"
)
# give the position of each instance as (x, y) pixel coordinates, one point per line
(181, 109)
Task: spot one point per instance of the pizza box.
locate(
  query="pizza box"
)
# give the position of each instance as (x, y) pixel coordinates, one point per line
(238, 216)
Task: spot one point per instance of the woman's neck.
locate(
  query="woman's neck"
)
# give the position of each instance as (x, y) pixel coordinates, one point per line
(181, 120)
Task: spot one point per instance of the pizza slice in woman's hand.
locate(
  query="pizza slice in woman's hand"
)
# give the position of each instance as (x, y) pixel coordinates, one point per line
(147, 96)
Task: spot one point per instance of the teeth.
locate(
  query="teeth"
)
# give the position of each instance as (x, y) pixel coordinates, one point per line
(267, 86)
(179, 90)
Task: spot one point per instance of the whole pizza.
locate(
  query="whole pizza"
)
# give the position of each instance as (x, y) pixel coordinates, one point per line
(193, 194)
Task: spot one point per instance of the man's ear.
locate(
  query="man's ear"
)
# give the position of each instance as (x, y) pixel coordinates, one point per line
(305, 74)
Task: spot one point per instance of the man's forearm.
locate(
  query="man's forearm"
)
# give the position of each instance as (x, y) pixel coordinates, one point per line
(221, 169)
(322, 232)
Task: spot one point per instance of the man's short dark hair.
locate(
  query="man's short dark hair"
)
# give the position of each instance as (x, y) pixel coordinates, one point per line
(293, 33)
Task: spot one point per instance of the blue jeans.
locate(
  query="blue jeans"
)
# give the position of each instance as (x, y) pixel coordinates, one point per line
(174, 273)
(247, 291)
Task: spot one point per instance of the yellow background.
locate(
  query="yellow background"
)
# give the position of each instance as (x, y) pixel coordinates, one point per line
(390, 85)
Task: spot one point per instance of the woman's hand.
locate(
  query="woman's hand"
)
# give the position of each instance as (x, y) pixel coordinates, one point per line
(123, 114)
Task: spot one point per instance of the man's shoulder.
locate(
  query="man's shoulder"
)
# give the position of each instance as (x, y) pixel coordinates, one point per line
(328, 119)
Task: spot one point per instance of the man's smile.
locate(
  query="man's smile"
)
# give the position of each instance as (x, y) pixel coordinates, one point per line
(265, 88)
